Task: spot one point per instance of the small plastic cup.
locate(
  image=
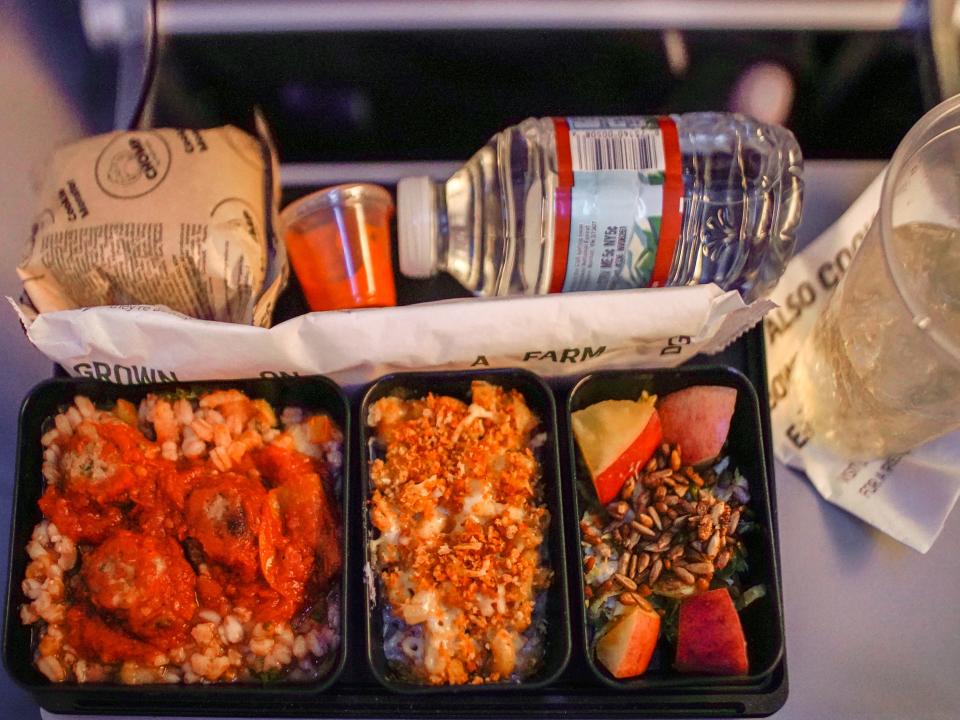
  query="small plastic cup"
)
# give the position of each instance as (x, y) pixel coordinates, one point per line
(338, 239)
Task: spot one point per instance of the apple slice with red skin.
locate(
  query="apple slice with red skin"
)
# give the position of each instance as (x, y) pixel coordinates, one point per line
(626, 647)
(698, 420)
(616, 438)
(709, 636)
(609, 482)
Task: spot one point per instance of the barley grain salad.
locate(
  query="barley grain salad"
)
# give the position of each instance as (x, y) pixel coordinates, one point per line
(457, 499)
(192, 538)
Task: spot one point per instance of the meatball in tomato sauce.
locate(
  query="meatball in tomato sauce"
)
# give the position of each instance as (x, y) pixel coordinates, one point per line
(223, 515)
(145, 582)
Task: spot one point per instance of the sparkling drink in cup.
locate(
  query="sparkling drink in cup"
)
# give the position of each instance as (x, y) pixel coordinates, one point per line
(880, 372)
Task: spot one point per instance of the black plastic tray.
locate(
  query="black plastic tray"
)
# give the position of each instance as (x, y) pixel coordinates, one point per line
(46, 400)
(577, 693)
(539, 399)
(763, 619)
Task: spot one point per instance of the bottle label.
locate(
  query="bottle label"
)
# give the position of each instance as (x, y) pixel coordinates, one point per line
(617, 202)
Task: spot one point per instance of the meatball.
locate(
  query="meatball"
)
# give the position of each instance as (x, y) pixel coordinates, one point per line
(224, 515)
(145, 582)
(98, 458)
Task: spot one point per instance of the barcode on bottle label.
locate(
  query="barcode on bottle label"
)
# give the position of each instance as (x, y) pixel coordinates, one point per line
(622, 149)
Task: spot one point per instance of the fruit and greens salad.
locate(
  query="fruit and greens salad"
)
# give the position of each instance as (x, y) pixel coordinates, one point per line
(661, 538)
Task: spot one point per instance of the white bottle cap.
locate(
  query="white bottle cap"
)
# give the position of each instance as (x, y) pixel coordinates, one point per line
(417, 229)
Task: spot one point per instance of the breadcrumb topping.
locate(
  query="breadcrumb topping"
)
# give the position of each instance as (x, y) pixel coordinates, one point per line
(457, 501)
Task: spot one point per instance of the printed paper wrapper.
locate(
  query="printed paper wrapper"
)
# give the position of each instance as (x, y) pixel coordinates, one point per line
(553, 335)
(906, 496)
(183, 218)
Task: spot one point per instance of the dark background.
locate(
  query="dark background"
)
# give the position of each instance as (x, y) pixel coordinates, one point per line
(441, 95)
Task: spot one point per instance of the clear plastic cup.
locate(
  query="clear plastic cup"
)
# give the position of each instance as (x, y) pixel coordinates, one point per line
(338, 239)
(880, 373)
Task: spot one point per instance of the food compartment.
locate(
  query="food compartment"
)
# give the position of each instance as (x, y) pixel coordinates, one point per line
(106, 692)
(761, 619)
(550, 619)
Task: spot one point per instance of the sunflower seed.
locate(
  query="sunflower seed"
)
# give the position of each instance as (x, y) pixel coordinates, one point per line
(734, 521)
(628, 598)
(716, 511)
(617, 509)
(652, 547)
(655, 571)
(624, 563)
(675, 459)
(643, 561)
(700, 568)
(610, 528)
(675, 552)
(684, 575)
(632, 570)
(645, 520)
(625, 581)
(627, 491)
(714, 545)
(647, 532)
(652, 512)
(660, 545)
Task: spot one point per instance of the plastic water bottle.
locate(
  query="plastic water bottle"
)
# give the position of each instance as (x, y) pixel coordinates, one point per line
(602, 203)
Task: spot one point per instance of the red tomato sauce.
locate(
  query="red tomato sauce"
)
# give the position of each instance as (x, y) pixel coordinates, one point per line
(161, 540)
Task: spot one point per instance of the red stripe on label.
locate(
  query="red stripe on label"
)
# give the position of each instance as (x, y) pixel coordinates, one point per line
(671, 221)
(564, 161)
(561, 228)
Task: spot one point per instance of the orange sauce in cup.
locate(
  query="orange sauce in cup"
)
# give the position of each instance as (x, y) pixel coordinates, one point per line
(339, 245)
